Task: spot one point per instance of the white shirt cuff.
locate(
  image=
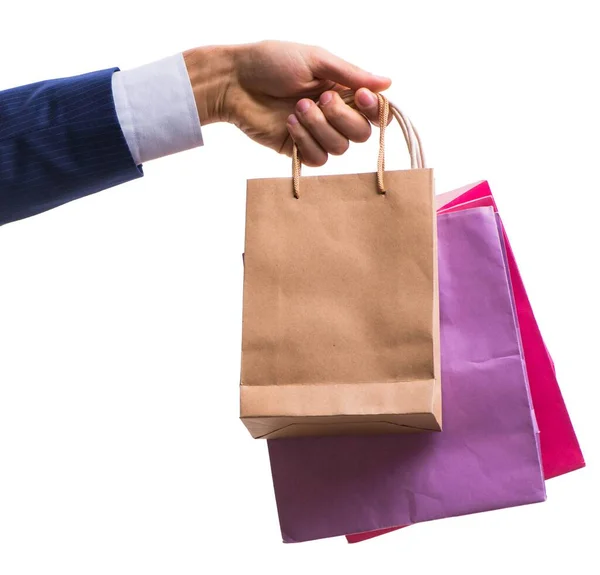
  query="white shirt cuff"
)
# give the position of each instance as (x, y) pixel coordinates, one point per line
(156, 109)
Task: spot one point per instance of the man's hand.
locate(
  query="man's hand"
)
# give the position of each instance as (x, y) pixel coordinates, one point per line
(274, 90)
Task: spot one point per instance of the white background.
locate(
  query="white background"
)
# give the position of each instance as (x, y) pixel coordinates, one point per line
(120, 314)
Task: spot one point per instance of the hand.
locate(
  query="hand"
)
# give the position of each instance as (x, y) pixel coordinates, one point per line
(276, 91)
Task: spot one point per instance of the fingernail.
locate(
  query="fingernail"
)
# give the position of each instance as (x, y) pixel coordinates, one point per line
(303, 106)
(292, 120)
(326, 98)
(382, 78)
(366, 98)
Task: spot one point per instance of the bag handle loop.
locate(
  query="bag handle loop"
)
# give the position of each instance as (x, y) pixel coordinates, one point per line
(411, 136)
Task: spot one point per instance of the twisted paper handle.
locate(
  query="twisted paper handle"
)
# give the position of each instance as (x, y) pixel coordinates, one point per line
(411, 136)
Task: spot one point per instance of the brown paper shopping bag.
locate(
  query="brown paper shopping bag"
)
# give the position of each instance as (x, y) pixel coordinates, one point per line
(340, 317)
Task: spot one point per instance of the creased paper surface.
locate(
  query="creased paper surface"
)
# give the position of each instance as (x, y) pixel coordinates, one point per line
(486, 457)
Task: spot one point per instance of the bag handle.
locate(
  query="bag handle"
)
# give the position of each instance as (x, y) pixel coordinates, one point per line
(411, 136)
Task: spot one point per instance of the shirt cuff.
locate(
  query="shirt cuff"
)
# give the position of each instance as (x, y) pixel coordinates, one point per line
(156, 109)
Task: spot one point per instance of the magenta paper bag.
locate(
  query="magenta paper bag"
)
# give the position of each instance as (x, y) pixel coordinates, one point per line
(560, 449)
(486, 458)
(561, 452)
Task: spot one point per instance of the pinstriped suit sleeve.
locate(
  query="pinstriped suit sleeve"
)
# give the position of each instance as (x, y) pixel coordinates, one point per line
(60, 140)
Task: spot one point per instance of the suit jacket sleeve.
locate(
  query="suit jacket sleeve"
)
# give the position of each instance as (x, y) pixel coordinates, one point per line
(60, 140)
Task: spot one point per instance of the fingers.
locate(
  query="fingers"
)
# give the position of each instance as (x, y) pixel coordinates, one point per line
(314, 135)
(326, 135)
(328, 128)
(311, 152)
(326, 66)
(346, 121)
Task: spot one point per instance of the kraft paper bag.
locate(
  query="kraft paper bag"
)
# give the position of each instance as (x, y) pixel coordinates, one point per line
(559, 445)
(340, 315)
(486, 458)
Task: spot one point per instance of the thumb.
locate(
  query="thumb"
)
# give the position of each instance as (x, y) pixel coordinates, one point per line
(326, 66)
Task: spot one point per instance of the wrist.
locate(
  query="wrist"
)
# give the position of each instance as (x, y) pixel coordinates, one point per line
(212, 72)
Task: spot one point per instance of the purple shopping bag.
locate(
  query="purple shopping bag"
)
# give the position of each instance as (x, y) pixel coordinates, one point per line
(486, 458)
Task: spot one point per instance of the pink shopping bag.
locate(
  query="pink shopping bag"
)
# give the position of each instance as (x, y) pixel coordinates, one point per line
(559, 446)
(560, 449)
(486, 458)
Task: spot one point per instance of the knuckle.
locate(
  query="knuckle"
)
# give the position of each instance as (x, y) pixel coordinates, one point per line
(303, 141)
(335, 110)
(313, 115)
(302, 104)
(372, 115)
(316, 118)
(339, 148)
(363, 134)
(298, 135)
(316, 160)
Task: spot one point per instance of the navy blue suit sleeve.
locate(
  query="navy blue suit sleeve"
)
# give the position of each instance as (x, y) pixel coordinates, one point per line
(60, 140)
